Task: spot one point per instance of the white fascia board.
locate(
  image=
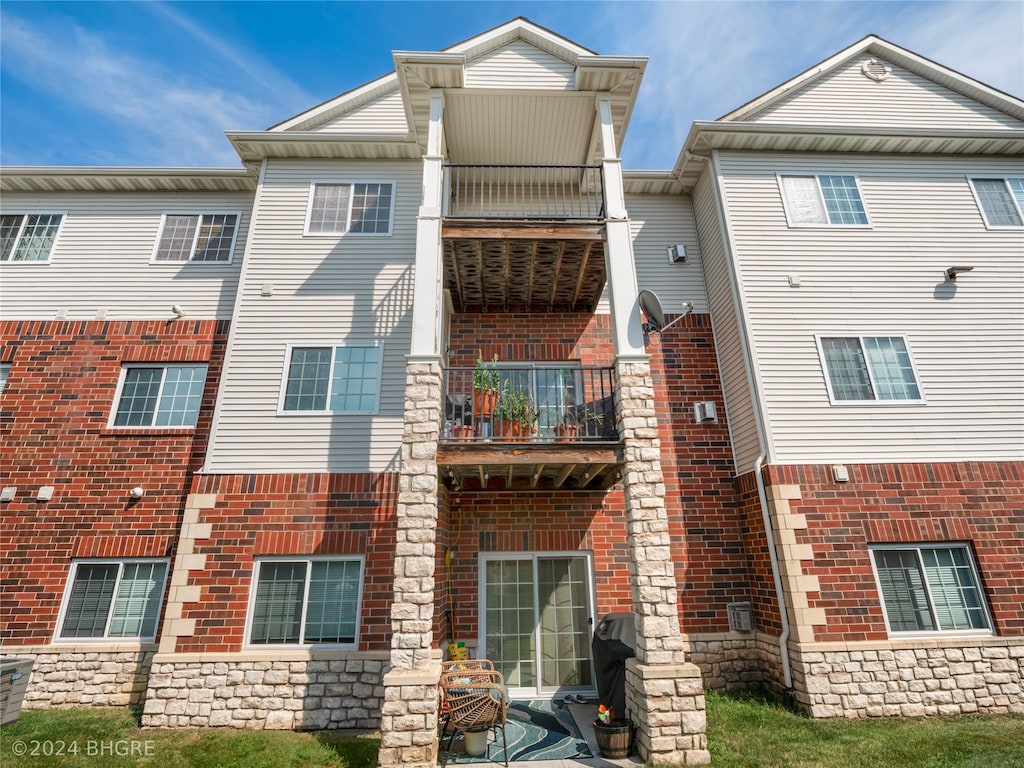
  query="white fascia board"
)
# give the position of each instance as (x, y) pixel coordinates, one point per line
(251, 145)
(105, 179)
(341, 103)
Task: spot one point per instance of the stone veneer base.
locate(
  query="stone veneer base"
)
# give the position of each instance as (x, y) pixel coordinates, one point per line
(82, 675)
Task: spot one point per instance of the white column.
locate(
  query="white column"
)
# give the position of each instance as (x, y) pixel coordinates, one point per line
(627, 331)
(427, 310)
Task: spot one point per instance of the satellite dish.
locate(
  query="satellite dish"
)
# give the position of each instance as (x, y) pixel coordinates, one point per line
(651, 306)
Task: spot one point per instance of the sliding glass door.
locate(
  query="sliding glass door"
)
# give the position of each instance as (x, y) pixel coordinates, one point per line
(536, 621)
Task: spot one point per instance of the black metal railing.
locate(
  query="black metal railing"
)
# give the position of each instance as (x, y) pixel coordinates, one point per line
(535, 192)
(545, 403)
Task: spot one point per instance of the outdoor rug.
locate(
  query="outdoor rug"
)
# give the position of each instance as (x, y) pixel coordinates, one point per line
(536, 730)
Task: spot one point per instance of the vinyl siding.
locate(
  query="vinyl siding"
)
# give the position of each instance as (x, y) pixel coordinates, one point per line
(101, 260)
(326, 291)
(383, 115)
(657, 221)
(967, 338)
(903, 100)
(739, 403)
(520, 66)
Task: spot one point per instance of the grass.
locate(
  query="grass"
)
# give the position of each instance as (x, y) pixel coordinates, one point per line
(744, 731)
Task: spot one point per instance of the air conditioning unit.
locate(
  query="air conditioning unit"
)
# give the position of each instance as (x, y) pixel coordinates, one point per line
(740, 617)
(676, 254)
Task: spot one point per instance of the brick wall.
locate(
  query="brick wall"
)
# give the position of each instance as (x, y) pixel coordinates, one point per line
(979, 503)
(310, 514)
(54, 410)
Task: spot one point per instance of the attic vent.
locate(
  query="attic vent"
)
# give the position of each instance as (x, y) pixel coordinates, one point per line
(875, 70)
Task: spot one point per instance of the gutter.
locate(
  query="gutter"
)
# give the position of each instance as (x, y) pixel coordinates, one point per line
(761, 424)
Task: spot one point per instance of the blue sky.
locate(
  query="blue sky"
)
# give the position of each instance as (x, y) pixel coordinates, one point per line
(157, 84)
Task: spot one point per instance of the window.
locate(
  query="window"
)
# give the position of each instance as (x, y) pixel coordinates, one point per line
(333, 379)
(1001, 201)
(5, 369)
(113, 599)
(823, 201)
(306, 601)
(208, 237)
(28, 236)
(358, 207)
(160, 396)
(929, 589)
(868, 368)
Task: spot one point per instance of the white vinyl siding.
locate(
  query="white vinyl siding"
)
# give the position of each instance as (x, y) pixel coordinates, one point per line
(520, 65)
(966, 336)
(325, 292)
(202, 238)
(305, 601)
(357, 208)
(159, 396)
(868, 368)
(655, 221)
(823, 200)
(340, 380)
(29, 237)
(739, 402)
(102, 266)
(105, 600)
(903, 100)
(385, 114)
(1001, 201)
(929, 589)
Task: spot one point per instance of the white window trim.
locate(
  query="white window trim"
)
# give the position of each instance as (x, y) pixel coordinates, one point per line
(348, 222)
(56, 238)
(247, 643)
(195, 238)
(918, 546)
(1013, 199)
(330, 381)
(821, 199)
(163, 380)
(871, 375)
(105, 640)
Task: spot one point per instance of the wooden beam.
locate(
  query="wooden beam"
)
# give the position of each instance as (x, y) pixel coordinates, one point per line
(582, 274)
(591, 473)
(558, 270)
(536, 475)
(463, 231)
(493, 454)
(564, 474)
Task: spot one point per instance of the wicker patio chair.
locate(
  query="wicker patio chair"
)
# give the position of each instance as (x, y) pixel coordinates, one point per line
(474, 697)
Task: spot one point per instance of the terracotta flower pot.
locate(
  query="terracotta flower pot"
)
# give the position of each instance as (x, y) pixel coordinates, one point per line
(484, 401)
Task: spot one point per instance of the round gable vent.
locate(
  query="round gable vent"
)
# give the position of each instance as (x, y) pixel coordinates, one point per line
(875, 70)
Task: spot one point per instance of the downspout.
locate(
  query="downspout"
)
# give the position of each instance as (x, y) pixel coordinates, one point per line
(760, 423)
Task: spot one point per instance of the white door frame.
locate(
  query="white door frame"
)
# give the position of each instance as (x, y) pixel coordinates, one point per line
(538, 691)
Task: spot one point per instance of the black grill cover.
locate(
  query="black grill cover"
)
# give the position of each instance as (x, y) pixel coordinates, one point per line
(614, 642)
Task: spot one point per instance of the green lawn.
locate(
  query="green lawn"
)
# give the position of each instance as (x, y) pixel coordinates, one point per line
(743, 732)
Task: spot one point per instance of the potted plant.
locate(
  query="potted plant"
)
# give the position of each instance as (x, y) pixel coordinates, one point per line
(585, 418)
(614, 735)
(575, 421)
(517, 418)
(486, 385)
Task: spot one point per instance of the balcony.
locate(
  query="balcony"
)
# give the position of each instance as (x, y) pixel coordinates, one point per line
(542, 426)
(524, 238)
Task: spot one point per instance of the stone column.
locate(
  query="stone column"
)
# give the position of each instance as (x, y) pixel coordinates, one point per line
(409, 715)
(664, 693)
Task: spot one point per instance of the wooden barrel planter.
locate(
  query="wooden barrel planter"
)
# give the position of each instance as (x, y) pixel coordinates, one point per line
(614, 740)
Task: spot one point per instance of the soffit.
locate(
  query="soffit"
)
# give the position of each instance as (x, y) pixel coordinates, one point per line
(256, 145)
(44, 179)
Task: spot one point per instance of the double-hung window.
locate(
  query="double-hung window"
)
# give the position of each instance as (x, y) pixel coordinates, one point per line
(823, 201)
(28, 236)
(197, 237)
(869, 368)
(928, 588)
(332, 380)
(5, 370)
(159, 395)
(362, 207)
(1001, 201)
(306, 601)
(113, 599)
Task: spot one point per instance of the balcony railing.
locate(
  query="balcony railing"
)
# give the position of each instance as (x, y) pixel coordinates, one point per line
(545, 403)
(532, 192)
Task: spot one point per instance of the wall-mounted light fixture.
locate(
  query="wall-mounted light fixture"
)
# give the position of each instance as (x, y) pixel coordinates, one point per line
(952, 272)
(178, 310)
(45, 493)
(137, 492)
(8, 493)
